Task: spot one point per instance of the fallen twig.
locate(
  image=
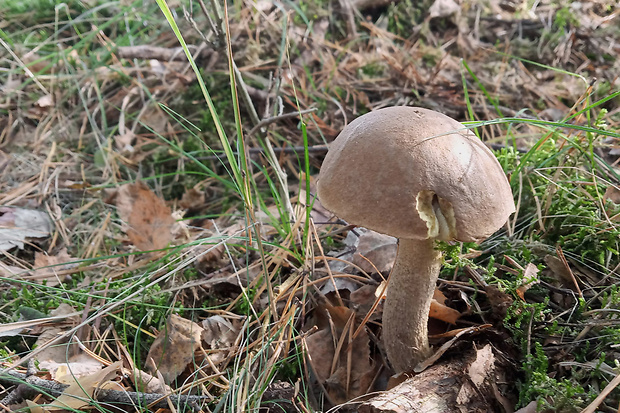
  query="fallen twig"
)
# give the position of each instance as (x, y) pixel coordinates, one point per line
(30, 385)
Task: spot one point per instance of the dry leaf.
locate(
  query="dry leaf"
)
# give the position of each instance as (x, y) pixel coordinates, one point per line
(146, 383)
(124, 142)
(480, 371)
(612, 194)
(559, 270)
(483, 367)
(456, 334)
(193, 199)
(345, 374)
(155, 119)
(530, 278)
(34, 408)
(44, 101)
(49, 274)
(442, 312)
(10, 271)
(220, 334)
(174, 347)
(375, 248)
(362, 301)
(58, 352)
(81, 392)
(148, 220)
(78, 366)
(17, 225)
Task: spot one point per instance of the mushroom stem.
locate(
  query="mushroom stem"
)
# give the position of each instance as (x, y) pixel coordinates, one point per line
(408, 301)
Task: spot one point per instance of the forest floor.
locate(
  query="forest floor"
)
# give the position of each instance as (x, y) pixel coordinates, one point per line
(161, 241)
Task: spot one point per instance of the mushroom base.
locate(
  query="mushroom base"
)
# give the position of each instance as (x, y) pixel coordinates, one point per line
(409, 294)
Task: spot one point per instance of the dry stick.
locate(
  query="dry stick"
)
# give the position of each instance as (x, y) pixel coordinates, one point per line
(267, 121)
(10, 377)
(608, 389)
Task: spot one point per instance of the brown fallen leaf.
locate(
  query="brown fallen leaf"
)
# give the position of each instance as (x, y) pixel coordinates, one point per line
(442, 312)
(220, 332)
(612, 193)
(193, 199)
(58, 352)
(148, 220)
(464, 382)
(52, 262)
(481, 369)
(11, 271)
(144, 382)
(375, 252)
(174, 347)
(343, 367)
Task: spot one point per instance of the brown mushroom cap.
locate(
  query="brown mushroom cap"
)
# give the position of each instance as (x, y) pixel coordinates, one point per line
(415, 173)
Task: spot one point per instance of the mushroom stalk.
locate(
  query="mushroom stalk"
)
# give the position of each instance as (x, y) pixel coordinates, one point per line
(408, 301)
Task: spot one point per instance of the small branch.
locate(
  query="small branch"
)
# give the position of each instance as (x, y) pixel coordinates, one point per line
(34, 385)
(267, 121)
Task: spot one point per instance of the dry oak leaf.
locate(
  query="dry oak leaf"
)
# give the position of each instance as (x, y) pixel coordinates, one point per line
(174, 347)
(148, 220)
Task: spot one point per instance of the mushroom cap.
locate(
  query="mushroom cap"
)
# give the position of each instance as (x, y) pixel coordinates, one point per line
(415, 173)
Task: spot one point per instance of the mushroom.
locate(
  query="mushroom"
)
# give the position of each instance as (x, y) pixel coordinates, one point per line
(420, 176)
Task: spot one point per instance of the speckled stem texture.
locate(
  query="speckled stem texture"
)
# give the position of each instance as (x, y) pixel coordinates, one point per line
(408, 301)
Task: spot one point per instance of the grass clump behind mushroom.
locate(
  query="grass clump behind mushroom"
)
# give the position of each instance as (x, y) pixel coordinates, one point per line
(567, 227)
